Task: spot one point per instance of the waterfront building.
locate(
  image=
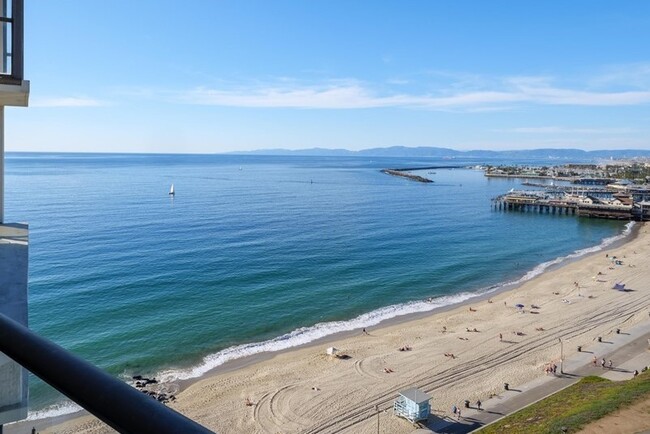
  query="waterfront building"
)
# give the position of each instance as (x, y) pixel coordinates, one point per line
(14, 91)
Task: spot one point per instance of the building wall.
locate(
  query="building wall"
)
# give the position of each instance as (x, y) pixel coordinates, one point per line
(13, 303)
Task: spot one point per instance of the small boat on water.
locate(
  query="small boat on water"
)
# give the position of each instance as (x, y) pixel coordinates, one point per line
(171, 191)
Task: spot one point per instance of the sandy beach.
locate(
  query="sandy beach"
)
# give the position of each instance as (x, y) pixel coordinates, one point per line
(305, 390)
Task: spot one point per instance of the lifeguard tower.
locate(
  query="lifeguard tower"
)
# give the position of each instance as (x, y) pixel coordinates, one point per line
(413, 405)
(14, 91)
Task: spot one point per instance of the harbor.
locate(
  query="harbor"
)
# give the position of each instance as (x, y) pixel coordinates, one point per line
(593, 191)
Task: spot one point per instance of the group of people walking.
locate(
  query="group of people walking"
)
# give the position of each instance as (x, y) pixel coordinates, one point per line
(603, 364)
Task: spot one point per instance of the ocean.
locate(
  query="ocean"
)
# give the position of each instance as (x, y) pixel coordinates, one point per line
(258, 253)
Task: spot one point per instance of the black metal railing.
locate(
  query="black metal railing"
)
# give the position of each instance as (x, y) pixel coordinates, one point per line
(119, 405)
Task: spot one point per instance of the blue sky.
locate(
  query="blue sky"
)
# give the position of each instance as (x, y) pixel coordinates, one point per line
(216, 76)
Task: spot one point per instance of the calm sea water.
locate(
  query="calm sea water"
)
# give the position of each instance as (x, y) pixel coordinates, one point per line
(256, 253)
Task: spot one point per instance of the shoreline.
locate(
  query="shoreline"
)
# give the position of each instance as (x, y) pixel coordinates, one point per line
(236, 364)
(253, 361)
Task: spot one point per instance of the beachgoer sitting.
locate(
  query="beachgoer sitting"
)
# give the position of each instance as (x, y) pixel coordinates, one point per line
(540, 329)
(388, 370)
(472, 309)
(248, 402)
(475, 330)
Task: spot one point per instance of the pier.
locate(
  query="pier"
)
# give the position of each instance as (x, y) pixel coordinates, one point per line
(620, 207)
(531, 202)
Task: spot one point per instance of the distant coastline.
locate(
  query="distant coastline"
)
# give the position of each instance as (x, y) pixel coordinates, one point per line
(552, 154)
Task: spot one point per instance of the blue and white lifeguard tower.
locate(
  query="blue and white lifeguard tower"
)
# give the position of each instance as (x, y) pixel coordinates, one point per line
(413, 405)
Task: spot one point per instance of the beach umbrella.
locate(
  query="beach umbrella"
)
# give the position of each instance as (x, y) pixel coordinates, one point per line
(519, 306)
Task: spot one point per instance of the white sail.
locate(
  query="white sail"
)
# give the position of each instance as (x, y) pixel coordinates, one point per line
(171, 190)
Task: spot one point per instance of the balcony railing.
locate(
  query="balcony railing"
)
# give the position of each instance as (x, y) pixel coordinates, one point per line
(116, 403)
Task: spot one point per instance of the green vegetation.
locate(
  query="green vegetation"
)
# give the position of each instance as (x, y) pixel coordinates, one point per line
(572, 408)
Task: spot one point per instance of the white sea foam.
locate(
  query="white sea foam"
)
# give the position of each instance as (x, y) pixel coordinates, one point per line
(305, 335)
(59, 409)
(578, 253)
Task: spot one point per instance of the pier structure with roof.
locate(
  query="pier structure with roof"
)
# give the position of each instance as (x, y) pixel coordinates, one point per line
(618, 207)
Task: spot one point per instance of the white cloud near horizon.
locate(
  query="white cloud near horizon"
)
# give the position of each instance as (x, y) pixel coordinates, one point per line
(67, 102)
(353, 95)
(566, 130)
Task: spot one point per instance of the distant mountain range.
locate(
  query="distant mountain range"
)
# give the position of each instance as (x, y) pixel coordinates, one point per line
(403, 151)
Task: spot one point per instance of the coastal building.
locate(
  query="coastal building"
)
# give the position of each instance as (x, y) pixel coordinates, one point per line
(413, 405)
(643, 210)
(14, 91)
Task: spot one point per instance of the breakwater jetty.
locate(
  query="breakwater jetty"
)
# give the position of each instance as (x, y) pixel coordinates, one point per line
(407, 175)
(404, 172)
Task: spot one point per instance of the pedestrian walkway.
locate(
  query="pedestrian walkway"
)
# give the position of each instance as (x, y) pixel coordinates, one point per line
(628, 351)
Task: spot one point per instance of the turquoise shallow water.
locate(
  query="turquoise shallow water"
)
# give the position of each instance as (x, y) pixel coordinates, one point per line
(255, 253)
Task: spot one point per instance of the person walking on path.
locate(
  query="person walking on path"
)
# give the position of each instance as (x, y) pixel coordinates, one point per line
(609, 365)
(602, 363)
(478, 401)
(595, 361)
(459, 414)
(454, 409)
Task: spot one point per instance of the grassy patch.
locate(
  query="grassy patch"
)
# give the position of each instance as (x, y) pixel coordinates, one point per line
(572, 408)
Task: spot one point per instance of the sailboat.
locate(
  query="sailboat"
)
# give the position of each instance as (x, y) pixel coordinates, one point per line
(171, 190)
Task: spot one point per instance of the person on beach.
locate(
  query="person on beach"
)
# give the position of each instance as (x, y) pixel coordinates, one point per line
(500, 337)
(364, 331)
(478, 404)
